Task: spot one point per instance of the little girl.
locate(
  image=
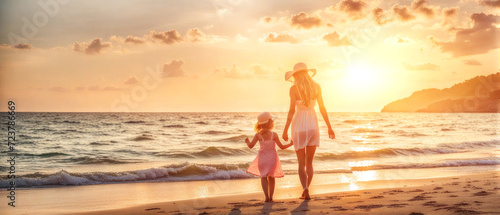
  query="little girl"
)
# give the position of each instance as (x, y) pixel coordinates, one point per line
(267, 163)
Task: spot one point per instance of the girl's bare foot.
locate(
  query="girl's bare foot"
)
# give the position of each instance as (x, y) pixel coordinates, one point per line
(267, 200)
(306, 194)
(271, 200)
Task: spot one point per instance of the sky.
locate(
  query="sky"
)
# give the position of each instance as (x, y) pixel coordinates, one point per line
(231, 55)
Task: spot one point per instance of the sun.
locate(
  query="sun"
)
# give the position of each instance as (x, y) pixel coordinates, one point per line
(360, 74)
(361, 77)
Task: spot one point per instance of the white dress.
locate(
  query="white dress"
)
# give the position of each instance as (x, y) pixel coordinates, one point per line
(304, 127)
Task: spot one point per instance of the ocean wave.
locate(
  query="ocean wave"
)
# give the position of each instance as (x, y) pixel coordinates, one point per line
(452, 163)
(174, 126)
(135, 122)
(407, 134)
(176, 172)
(471, 144)
(212, 132)
(384, 152)
(212, 151)
(72, 122)
(444, 148)
(143, 137)
(44, 155)
(366, 130)
(353, 121)
(96, 160)
(201, 123)
(98, 143)
(237, 138)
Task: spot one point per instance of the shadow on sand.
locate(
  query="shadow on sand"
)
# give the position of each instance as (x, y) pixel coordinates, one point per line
(302, 208)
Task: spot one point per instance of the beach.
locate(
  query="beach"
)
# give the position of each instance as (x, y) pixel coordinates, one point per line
(463, 194)
(468, 194)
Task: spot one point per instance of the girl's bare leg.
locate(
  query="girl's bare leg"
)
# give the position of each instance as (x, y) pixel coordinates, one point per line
(264, 184)
(271, 187)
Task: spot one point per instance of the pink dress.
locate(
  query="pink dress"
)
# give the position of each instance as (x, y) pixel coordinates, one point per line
(267, 162)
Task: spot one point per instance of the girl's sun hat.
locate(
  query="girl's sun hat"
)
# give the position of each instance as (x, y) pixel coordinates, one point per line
(264, 118)
(299, 67)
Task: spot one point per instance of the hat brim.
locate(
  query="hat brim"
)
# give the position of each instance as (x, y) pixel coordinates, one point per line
(262, 123)
(289, 74)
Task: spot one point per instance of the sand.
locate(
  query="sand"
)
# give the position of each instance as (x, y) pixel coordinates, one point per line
(466, 194)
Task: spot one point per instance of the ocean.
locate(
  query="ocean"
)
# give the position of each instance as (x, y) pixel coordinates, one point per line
(77, 149)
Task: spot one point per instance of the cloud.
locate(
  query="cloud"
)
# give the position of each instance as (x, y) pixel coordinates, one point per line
(421, 67)
(449, 14)
(334, 39)
(23, 46)
(58, 89)
(303, 21)
(106, 88)
(490, 3)
(132, 80)
(232, 73)
(267, 19)
(479, 39)
(402, 13)
(94, 47)
(173, 69)
(167, 37)
(259, 69)
(134, 40)
(472, 62)
(281, 38)
(380, 16)
(353, 8)
(398, 39)
(195, 35)
(423, 7)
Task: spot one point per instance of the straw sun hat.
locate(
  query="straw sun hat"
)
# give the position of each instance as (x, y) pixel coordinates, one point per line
(299, 67)
(264, 118)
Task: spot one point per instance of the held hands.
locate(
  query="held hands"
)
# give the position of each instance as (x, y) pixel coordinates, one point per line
(285, 136)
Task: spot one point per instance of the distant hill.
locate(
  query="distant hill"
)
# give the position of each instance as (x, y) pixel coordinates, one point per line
(480, 94)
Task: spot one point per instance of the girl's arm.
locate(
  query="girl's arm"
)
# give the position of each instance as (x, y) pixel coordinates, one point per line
(322, 109)
(277, 139)
(253, 142)
(291, 111)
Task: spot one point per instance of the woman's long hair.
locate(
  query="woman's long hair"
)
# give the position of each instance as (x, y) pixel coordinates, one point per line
(306, 86)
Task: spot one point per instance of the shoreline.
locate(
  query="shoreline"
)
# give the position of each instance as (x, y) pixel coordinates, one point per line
(222, 196)
(466, 194)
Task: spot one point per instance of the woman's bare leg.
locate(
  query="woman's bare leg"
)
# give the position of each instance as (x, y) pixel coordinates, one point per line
(301, 156)
(264, 184)
(310, 150)
(272, 182)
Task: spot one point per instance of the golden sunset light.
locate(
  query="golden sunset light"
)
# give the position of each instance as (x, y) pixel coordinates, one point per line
(378, 52)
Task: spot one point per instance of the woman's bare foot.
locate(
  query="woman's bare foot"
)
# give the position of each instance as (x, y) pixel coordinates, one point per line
(303, 194)
(271, 200)
(306, 194)
(267, 200)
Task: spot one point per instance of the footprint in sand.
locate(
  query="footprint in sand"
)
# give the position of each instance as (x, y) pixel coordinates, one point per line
(151, 209)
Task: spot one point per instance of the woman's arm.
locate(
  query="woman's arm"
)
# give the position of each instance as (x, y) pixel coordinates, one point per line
(278, 142)
(291, 111)
(324, 113)
(253, 142)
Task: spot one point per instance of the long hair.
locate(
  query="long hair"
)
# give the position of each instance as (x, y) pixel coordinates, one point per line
(259, 127)
(306, 86)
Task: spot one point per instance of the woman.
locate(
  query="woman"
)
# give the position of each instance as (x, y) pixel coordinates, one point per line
(305, 130)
